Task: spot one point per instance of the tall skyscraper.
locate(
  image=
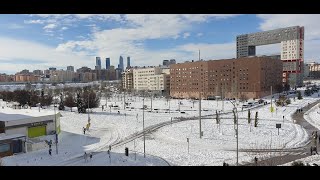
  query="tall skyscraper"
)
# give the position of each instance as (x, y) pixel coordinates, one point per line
(128, 62)
(98, 62)
(121, 66)
(165, 62)
(107, 63)
(172, 61)
(70, 68)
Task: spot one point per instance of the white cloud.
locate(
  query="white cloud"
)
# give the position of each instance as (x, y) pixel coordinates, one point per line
(199, 34)
(309, 21)
(13, 50)
(129, 41)
(50, 26)
(185, 35)
(64, 28)
(37, 21)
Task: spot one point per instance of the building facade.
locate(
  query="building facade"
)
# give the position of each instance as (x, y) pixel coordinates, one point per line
(314, 70)
(127, 79)
(120, 65)
(292, 50)
(151, 79)
(107, 63)
(26, 78)
(128, 62)
(98, 62)
(250, 77)
(70, 68)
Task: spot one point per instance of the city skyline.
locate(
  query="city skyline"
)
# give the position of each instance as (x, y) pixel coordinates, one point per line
(42, 41)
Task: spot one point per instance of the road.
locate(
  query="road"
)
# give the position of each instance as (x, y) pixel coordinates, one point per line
(291, 154)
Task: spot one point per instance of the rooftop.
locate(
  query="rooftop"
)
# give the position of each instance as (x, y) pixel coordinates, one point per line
(5, 137)
(9, 114)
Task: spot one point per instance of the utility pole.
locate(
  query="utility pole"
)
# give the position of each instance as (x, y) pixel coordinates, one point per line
(200, 114)
(237, 139)
(151, 102)
(144, 136)
(169, 105)
(55, 120)
(222, 98)
(199, 54)
(124, 100)
(88, 107)
(271, 102)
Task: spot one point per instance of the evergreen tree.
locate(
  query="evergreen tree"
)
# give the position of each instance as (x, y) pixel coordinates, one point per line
(80, 105)
(299, 95)
(61, 104)
(256, 120)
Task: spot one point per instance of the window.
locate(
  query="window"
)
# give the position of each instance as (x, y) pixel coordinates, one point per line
(4, 147)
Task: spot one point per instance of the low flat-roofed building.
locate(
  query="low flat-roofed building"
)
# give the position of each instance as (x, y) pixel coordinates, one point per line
(12, 144)
(28, 122)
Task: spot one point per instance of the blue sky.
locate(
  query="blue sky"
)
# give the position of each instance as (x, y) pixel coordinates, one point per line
(41, 41)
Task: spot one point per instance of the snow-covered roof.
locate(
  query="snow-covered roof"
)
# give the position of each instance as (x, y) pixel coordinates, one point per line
(9, 114)
(5, 137)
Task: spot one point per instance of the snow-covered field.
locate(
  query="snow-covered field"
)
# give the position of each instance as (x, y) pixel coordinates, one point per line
(313, 117)
(217, 145)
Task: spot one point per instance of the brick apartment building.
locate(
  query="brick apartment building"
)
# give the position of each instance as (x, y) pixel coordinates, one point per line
(249, 77)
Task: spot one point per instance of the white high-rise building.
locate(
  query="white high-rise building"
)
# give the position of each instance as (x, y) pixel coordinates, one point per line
(151, 78)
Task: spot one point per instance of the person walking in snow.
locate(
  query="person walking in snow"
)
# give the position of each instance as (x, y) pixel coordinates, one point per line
(256, 161)
(85, 157)
(90, 156)
(50, 151)
(84, 130)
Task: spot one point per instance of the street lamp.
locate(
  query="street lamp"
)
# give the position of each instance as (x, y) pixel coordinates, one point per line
(144, 137)
(236, 129)
(56, 134)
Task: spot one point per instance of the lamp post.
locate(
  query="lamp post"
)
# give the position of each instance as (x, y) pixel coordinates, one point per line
(200, 114)
(56, 133)
(144, 137)
(236, 129)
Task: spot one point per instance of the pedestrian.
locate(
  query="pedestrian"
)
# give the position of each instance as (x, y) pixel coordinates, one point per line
(256, 161)
(84, 130)
(102, 107)
(90, 156)
(50, 151)
(85, 157)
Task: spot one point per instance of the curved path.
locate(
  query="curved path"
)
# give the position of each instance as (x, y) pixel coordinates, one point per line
(292, 153)
(121, 141)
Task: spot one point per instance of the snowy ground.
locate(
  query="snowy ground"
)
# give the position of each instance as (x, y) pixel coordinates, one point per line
(170, 142)
(313, 117)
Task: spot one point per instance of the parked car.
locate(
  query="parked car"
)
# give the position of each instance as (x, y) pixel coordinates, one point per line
(245, 106)
(261, 101)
